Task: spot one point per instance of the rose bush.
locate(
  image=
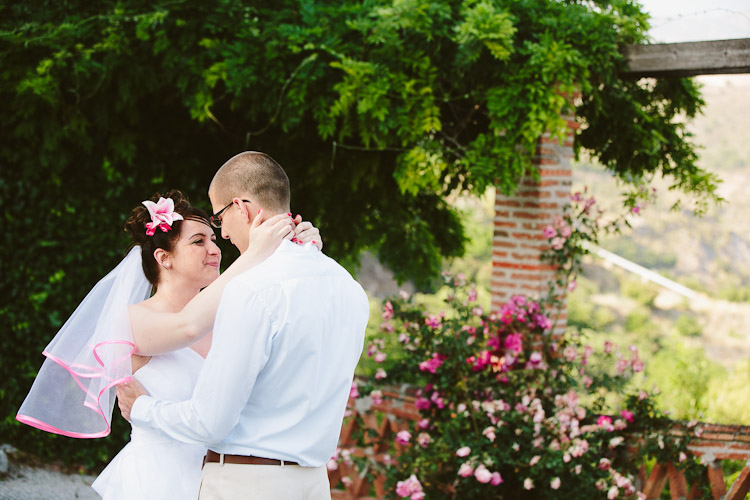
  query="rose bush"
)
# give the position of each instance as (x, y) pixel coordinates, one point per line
(507, 409)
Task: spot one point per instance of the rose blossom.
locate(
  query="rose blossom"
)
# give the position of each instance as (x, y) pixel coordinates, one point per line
(528, 483)
(513, 343)
(410, 488)
(424, 439)
(465, 470)
(496, 479)
(482, 474)
(380, 357)
(627, 415)
(549, 232)
(489, 433)
(432, 321)
(463, 451)
(534, 460)
(555, 483)
(403, 437)
(380, 374)
(353, 392)
(377, 397)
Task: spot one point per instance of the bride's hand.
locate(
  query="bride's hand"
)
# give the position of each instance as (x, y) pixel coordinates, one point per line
(267, 235)
(305, 232)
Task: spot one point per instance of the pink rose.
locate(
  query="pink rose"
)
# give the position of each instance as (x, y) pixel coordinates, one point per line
(380, 357)
(403, 437)
(377, 397)
(465, 470)
(607, 347)
(387, 311)
(496, 479)
(605, 423)
(513, 343)
(463, 451)
(432, 321)
(422, 404)
(482, 474)
(534, 460)
(555, 483)
(380, 374)
(638, 365)
(627, 415)
(528, 484)
(353, 392)
(549, 232)
(424, 439)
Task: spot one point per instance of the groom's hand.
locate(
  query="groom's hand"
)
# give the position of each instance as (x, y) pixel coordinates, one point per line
(127, 393)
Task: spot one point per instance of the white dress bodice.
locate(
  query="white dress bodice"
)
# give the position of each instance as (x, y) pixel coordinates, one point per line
(153, 466)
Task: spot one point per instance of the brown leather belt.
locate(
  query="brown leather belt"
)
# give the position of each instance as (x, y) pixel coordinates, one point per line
(213, 457)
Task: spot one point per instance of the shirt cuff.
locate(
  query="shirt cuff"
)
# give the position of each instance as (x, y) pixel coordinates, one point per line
(141, 410)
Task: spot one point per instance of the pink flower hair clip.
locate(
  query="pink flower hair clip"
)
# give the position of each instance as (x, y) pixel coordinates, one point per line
(162, 215)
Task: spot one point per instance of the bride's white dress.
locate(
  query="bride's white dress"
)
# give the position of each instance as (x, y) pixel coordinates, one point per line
(153, 466)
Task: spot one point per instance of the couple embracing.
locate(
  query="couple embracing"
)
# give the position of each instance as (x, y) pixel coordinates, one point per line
(236, 392)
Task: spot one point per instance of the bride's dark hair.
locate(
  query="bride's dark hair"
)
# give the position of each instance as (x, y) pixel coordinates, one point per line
(135, 226)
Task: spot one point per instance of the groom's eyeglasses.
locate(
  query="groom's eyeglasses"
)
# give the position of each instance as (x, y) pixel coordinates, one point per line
(216, 218)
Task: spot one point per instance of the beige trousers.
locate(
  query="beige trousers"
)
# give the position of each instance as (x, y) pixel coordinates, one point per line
(263, 482)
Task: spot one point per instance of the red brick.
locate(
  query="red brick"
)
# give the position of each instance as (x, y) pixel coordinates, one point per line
(502, 284)
(529, 215)
(534, 194)
(498, 223)
(507, 203)
(541, 150)
(504, 244)
(527, 276)
(542, 183)
(526, 236)
(505, 213)
(545, 161)
(557, 172)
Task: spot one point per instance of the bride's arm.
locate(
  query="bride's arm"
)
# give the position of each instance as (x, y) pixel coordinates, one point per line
(156, 333)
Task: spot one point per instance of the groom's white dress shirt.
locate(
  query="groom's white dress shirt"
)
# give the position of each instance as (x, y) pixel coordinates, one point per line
(287, 337)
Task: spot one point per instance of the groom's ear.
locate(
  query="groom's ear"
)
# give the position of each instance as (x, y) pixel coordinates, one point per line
(243, 209)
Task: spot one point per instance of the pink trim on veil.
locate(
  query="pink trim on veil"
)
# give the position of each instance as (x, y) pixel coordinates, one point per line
(77, 371)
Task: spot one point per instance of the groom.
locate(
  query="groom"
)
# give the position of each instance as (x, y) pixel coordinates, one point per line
(270, 399)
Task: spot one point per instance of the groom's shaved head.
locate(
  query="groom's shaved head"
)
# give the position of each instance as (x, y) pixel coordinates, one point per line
(255, 174)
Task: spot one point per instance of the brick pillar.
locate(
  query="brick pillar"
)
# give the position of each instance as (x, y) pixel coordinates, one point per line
(518, 241)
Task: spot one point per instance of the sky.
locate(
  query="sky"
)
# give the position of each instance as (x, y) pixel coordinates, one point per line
(695, 20)
(675, 21)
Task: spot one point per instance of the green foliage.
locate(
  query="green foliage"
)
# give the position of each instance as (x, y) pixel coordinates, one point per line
(728, 395)
(377, 110)
(643, 292)
(688, 326)
(684, 376)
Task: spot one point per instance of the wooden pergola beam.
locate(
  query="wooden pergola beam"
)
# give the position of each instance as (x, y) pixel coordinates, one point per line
(688, 58)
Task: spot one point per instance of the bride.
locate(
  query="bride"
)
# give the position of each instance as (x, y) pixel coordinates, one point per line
(118, 331)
